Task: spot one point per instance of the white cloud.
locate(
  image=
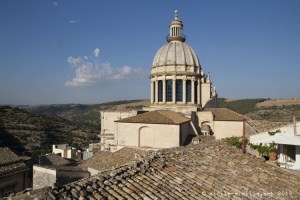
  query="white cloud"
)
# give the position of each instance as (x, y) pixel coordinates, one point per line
(73, 21)
(55, 3)
(96, 52)
(90, 71)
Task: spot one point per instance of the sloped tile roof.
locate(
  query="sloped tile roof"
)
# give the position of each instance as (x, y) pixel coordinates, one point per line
(9, 161)
(157, 117)
(105, 160)
(52, 159)
(63, 168)
(207, 171)
(7, 156)
(224, 114)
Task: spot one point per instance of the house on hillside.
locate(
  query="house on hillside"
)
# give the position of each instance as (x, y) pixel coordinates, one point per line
(64, 150)
(13, 173)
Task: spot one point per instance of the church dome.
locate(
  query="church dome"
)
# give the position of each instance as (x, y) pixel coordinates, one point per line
(176, 53)
(177, 80)
(176, 57)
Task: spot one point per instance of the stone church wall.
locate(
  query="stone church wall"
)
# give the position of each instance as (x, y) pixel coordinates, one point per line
(156, 135)
(224, 129)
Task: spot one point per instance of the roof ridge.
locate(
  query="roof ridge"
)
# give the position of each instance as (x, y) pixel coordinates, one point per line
(167, 116)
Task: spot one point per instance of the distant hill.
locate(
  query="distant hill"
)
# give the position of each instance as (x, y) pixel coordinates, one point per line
(26, 132)
(273, 110)
(265, 113)
(86, 115)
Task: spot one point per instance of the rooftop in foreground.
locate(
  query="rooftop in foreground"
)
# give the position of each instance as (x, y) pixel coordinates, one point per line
(209, 170)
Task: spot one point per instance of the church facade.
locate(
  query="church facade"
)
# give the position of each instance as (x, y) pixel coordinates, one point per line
(182, 103)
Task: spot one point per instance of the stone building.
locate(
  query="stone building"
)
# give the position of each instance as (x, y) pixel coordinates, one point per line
(13, 173)
(179, 86)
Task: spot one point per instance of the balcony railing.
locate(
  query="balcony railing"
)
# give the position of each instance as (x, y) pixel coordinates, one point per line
(182, 39)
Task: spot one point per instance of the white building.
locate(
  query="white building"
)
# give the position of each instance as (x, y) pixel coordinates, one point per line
(180, 92)
(64, 150)
(288, 141)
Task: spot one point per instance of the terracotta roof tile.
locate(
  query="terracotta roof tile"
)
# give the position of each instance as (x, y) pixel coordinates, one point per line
(195, 172)
(7, 156)
(52, 159)
(157, 117)
(10, 162)
(224, 114)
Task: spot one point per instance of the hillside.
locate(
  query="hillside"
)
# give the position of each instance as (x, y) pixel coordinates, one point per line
(28, 133)
(87, 116)
(265, 113)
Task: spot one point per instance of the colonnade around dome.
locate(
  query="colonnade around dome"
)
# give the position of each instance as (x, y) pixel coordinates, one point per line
(176, 90)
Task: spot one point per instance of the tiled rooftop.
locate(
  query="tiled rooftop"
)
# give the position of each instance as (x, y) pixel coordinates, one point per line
(7, 156)
(105, 160)
(9, 161)
(210, 170)
(224, 114)
(63, 168)
(157, 117)
(52, 159)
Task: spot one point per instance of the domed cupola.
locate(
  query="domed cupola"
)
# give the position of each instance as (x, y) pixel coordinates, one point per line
(176, 30)
(176, 57)
(176, 72)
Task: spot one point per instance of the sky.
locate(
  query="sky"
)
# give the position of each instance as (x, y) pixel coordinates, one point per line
(76, 51)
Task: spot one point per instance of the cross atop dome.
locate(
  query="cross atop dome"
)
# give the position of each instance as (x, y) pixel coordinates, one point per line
(176, 15)
(176, 27)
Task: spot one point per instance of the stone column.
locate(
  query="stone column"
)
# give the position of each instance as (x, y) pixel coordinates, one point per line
(184, 90)
(164, 90)
(174, 90)
(156, 90)
(152, 92)
(193, 90)
(198, 91)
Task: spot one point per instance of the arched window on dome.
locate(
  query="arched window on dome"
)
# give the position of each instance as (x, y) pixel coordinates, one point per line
(178, 90)
(188, 91)
(160, 91)
(169, 93)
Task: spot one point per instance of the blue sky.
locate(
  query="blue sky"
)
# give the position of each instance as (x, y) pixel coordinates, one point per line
(64, 51)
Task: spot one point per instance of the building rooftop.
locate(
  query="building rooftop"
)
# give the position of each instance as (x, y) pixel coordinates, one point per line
(9, 161)
(157, 117)
(63, 168)
(105, 160)
(211, 170)
(52, 159)
(224, 114)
